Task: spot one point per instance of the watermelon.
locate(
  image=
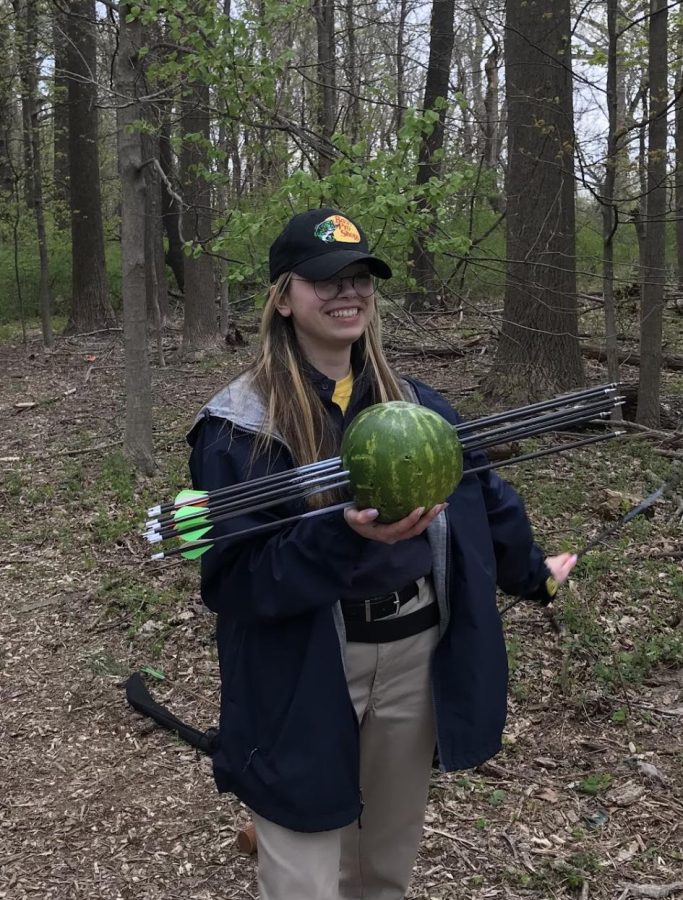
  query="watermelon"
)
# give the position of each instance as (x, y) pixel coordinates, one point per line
(401, 456)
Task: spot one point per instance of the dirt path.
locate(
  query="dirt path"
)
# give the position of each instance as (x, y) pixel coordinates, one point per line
(587, 797)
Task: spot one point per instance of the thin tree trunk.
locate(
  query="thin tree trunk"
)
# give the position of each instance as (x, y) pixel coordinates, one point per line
(678, 190)
(200, 327)
(7, 168)
(652, 307)
(467, 128)
(492, 130)
(170, 207)
(91, 308)
(352, 72)
(61, 117)
(608, 206)
(24, 10)
(323, 10)
(236, 159)
(400, 66)
(223, 285)
(491, 109)
(442, 36)
(155, 281)
(26, 22)
(475, 51)
(639, 213)
(137, 443)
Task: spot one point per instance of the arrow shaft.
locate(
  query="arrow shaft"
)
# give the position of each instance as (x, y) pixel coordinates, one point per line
(555, 403)
(607, 532)
(187, 525)
(252, 532)
(245, 487)
(547, 451)
(540, 425)
(284, 490)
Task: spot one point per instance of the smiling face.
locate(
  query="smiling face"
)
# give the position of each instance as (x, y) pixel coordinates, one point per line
(327, 328)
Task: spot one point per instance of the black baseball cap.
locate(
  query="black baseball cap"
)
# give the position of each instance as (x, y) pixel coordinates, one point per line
(318, 243)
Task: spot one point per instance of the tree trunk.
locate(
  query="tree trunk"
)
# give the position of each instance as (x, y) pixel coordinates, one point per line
(170, 207)
(351, 66)
(475, 52)
(236, 159)
(652, 307)
(200, 328)
(7, 169)
(91, 308)
(491, 112)
(678, 191)
(26, 29)
(608, 207)
(323, 10)
(442, 36)
(538, 349)
(492, 130)
(25, 14)
(138, 444)
(400, 66)
(221, 266)
(61, 116)
(157, 292)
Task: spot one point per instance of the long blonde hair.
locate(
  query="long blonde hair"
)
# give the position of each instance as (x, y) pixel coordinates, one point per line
(293, 408)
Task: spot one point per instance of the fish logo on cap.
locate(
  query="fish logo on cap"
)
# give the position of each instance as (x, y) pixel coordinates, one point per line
(337, 228)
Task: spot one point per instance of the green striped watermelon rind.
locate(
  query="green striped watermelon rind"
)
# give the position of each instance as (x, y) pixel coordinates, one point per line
(401, 456)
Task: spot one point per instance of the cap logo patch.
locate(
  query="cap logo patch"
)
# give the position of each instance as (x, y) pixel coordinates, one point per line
(337, 228)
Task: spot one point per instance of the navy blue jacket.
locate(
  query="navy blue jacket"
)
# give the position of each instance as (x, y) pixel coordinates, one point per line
(289, 745)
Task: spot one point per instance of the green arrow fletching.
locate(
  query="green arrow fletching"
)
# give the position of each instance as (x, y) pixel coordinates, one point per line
(192, 515)
(189, 496)
(195, 552)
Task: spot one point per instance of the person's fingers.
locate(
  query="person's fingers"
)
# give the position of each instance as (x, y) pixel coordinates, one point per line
(363, 522)
(355, 516)
(560, 566)
(403, 526)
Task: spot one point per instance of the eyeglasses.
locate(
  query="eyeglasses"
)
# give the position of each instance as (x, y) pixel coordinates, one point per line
(363, 284)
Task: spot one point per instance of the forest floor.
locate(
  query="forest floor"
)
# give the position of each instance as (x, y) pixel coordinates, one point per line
(586, 798)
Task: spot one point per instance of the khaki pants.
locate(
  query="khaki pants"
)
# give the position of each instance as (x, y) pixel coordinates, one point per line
(391, 692)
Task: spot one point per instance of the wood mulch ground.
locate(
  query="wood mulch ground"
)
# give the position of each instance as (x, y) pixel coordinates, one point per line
(585, 800)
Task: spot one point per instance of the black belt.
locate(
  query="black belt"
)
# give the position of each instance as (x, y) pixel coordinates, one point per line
(378, 607)
(394, 629)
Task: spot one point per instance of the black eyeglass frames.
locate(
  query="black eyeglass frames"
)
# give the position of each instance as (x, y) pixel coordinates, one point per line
(363, 284)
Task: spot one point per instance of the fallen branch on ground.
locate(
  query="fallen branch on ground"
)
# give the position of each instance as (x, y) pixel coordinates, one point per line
(657, 892)
(628, 356)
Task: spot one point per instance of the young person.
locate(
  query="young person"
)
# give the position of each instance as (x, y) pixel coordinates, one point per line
(348, 649)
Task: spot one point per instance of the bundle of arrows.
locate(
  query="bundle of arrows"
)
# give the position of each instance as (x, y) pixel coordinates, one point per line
(191, 516)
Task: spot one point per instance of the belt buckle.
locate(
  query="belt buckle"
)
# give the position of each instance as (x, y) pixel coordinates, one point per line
(397, 603)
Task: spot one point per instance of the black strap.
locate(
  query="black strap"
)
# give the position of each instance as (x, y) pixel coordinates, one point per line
(140, 699)
(385, 630)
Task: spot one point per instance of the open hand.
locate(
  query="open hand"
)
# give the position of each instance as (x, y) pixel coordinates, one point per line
(560, 566)
(363, 522)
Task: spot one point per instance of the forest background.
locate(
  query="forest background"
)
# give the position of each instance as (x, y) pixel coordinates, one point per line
(520, 165)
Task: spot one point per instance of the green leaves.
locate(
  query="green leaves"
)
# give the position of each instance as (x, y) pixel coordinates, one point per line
(381, 191)
(594, 783)
(235, 57)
